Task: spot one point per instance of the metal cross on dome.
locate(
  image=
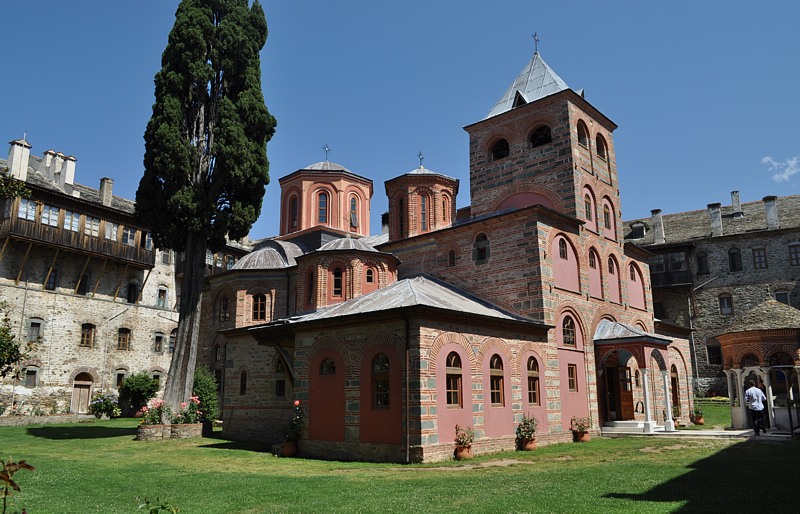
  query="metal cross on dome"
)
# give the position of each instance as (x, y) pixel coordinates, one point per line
(327, 149)
(421, 158)
(535, 42)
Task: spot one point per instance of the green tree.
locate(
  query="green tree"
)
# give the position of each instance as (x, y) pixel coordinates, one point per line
(205, 151)
(135, 391)
(11, 187)
(205, 388)
(11, 352)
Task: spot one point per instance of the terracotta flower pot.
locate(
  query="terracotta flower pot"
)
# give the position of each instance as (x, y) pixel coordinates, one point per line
(289, 449)
(527, 444)
(463, 452)
(581, 437)
(699, 420)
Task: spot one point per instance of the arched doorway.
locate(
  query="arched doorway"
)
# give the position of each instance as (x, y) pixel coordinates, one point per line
(81, 393)
(618, 373)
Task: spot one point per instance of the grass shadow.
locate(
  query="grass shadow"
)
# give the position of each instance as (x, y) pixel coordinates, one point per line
(733, 480)
(79, 431)
(251, 446)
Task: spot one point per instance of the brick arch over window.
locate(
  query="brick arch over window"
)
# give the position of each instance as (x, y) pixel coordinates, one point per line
(493, 143)
(447, 338)
(600, 314)
(566, 273)
(635, 282)
(292, 210)
(583, 133)
(381, 420)
(578, 334)
(525, 195)
(492, 345)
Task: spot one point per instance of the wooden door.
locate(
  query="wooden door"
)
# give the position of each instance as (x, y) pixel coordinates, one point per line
(80, 398)
(625, 394)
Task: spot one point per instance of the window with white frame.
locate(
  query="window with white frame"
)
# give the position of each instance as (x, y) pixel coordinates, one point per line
(129, 236)
(112, 229)
(27, 210)
(50, 215)
(92, 226)
(72, 221)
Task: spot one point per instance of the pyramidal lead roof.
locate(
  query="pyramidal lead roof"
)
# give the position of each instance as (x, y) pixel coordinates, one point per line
(535, 81)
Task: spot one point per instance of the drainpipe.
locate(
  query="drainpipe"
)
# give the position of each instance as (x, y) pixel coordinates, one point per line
(408, 394)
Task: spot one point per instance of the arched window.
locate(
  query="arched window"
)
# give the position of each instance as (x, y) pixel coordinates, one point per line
(496, 381)
(480, 250)
(311, 288)
(328, 367)
(632, 269)
(533, 382)
(592, 260)
(380, 382)
(322, 208)
(259, 307)
(124, 339)
(445, 209)
(500, 150)
(588, 207)
(606, 217)
(158, 342)
(423, 213)
(734, 260)
(87, 335)
(293, 212)
(602, 151)
(337, 282)
(562, 248)
(453, 379)
(370, 276)
(224, 314)
(583, 135)
(568, 331)
(243, 383)
(451, 258)
(541, 136)
(353, 212)
(401, 218)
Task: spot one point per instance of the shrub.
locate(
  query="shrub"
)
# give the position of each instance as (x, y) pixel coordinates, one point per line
(156, 412)
(107, 404)
(526, 429)
(205, 389)
(190, 414)
(295, 428)
(135, 392)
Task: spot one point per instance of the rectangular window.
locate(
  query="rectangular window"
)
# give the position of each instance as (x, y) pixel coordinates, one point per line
(759, 258)
(112, 229)
(27, 210)
(454, 389)
(50, 215)
(157, 380)
(92, 227)
(572, 377)
(124, 339)
(533, 390)
(72, 221)
(147, 241)
(87, 335)
(714, 355)
(794, 254)
(34, 331)
(129, 236)
(380, 393)
(166, 256)
(496, 388)
(133, 292)
(158, 343)
(83, 285)
(30, 378)
(782, 296)
(52, 280)
(162, 298)
(120, 379)
(280, 388)
(725, 305)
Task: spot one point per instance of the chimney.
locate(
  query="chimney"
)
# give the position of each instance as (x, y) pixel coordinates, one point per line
(715, 214)
(385, 223)
(18, 155)
(46, 167)
(771, 208)
(69, 170)
(106, 184)
(657, 223)
(737, 204)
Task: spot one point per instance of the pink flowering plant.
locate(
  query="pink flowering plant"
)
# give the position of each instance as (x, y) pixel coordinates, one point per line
(155, 412)
(190, 412)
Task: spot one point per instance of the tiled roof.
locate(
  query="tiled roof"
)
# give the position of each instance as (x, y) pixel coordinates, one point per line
(421, 290)
(688, 226)
(326, 166)
(767, 315)
(347, 243)
(535, 81)
(614, 330)
(270, 254)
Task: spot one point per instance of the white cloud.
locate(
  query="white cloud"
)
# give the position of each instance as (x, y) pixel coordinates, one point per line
(782, 171)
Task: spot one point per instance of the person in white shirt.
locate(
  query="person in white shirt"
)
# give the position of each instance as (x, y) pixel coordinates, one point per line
(755, 398)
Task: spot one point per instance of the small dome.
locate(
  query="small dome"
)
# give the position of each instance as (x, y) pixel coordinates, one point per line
(270, 254)
(326, 166)
(347, 243)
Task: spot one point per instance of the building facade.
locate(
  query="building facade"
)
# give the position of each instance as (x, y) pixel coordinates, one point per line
(711, 265)
(527, 302)
(84, 287)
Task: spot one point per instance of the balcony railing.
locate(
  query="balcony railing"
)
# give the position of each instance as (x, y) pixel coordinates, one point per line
(76, 241)
(671, 278)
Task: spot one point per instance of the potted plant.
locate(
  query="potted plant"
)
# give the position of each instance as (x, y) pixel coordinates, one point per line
(526, 433)
(463, 440)
(698, 416)
(580, 429)
(187, 423)
(294, 431)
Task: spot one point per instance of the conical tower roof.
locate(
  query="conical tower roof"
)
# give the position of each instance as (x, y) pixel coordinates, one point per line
(535, 81)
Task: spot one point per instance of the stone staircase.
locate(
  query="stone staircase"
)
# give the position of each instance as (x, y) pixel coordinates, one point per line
(627, 427)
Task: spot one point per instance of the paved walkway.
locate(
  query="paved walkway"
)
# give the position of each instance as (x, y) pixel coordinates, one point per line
(706, 434)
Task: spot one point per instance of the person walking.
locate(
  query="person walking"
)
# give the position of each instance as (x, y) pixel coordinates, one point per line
(755, 398)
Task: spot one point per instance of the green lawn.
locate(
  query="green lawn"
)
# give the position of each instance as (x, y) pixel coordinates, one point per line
(717, 416)
(99, 467)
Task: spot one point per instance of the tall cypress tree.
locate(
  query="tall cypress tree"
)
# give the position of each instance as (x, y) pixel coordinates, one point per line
(205, 151)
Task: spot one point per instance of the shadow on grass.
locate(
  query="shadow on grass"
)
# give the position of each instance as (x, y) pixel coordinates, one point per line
(79, 431)
(746, 477)
(251, 446)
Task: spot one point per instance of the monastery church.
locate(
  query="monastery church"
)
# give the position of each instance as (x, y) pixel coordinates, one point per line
(528, 301)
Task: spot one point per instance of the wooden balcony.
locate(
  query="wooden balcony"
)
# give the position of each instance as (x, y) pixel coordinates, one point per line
(671, 278)
(77, 242)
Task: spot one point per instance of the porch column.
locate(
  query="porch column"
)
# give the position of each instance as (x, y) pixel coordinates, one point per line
(740, 394)
(669, 424)
(731, 398)
(770, 406)
(649, 424)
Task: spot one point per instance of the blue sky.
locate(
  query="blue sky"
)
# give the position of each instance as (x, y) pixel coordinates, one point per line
(704, 93)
